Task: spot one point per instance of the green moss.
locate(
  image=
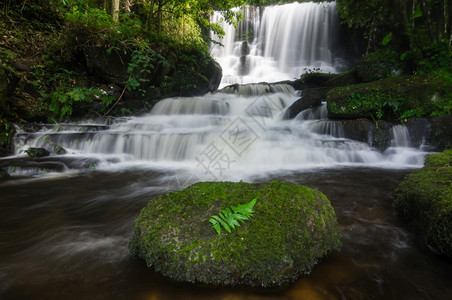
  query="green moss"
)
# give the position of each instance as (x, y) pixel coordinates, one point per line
(392, 98)
(424, 198)
(439, 160)
(292, 228)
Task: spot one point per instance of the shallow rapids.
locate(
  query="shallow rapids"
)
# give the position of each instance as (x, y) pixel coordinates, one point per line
(229, 135)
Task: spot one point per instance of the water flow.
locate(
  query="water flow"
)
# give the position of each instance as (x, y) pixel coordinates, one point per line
(287, 41)
(221, 136)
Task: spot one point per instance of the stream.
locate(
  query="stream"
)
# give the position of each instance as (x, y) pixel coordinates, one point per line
(65, 236)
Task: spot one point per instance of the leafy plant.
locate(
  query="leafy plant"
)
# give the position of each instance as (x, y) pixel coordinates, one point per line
(62, 101)
(229, 218)
(6, 133)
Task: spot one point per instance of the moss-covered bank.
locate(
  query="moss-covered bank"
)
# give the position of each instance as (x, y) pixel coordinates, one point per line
(392, 98)
(424, 199)
(292, 228)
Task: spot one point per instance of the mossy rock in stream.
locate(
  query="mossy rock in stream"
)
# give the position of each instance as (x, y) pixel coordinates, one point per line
(291, 229)
(424, 198)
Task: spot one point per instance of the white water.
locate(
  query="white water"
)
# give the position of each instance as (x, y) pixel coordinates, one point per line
(222, 136)
(287, 41)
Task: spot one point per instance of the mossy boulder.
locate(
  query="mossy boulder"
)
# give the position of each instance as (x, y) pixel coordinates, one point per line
(292, 228)
(390, 98)
(424, 198)
(37, 152)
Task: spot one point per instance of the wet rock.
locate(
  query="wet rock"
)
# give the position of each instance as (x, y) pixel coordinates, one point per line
(48, 163)
(4, 175)
(37, 152)
(214, 73)
(60, 150)
(424, 199)
(309, 98)
(375, 134)
(291, 229)
(245, 48)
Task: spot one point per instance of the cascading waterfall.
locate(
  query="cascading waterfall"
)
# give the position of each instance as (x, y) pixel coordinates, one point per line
(239, 131)
(221, 136)
(287, 41)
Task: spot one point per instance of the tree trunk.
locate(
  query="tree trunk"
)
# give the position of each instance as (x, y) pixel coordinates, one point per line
(159, 17)
(150, 17)
(127, 5)
(115, 10)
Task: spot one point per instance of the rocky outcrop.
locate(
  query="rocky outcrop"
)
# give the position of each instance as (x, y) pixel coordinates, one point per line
(424, 199)
(375, 134)
(214, 73)
(291, 229)
(53, 163)
(314, 88)
(309, 98)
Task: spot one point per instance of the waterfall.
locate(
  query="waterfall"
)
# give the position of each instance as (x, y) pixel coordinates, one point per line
(225, 135)
(239, 131)
(400, 136)
(287, 41)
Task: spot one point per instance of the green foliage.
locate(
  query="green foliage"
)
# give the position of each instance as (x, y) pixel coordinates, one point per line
(417, 13)
(387, 39)
(229, 218)
(414, 24)
(62, 99)
(141, 68)
(89, 19)
(376, 103)
(6, 133)
(36, 152)
(436, 57)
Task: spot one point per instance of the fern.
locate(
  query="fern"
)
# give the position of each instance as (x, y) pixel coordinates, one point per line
(229, 218)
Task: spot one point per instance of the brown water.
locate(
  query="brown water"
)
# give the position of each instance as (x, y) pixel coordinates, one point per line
(66, 238)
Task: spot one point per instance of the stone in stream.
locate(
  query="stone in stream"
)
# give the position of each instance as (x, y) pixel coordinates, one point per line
(293, 227)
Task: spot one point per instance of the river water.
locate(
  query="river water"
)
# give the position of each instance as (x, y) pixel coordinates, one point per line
(65, 237)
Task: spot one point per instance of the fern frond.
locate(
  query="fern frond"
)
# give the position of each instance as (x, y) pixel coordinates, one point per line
(229, 218)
